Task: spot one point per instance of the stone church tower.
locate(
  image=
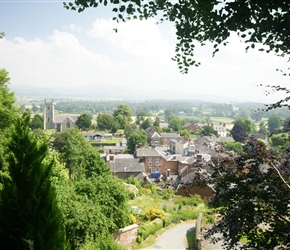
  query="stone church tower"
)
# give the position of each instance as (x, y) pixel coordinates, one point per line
(48, 114)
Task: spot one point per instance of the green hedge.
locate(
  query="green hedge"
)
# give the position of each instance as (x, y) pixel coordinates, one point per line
(183, 215)
(149, 229)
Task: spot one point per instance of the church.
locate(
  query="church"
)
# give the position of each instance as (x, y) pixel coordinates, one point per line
(60, 123)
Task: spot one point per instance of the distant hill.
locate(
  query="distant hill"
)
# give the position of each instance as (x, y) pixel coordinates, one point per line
(105, 92)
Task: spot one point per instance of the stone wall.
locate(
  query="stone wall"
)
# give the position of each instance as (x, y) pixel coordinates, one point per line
(198, 236)
(127, 235)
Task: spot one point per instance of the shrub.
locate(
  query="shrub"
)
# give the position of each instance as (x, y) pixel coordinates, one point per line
(210, 218)
(149, 229)
(186, 214)
(167, 220)
(165, 208)
(132, 218)
(167, 193)
(189, 201)
(154, 213)
(135, 182)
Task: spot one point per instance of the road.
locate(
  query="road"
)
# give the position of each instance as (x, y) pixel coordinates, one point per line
(173, 239)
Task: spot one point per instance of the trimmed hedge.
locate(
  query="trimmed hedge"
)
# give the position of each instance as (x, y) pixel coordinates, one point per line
(149, 229)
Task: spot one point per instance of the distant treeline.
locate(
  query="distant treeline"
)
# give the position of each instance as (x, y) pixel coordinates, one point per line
(176, 107)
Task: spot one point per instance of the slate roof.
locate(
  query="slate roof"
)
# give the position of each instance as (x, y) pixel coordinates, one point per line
(171, 135)
(143, 152)
(61, 118)
(127, 165)
(163, 124)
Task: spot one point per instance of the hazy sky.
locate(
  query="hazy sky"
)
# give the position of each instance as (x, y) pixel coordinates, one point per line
(47, 45)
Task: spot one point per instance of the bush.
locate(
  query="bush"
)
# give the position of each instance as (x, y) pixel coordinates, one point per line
(167, 193)
(104, 242)
(184, 215)
(210, 218)
(149, 229)
(189, 201)
(167, 220)
(135, 182)
(132, 218)
(165, 208)
(152, 187)
(154, 213)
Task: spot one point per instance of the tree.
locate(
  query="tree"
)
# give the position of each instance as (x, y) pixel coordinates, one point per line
(29, 214)
(72, 146)
(123, 115)
(146, 124)
(34, 108)
(238, 132)
(252, 197)
(286, 125)
(235, 146)
(175, 123)
(135, 139)
(242, 128)
(105, 122)
(255, 22)
(156, 122)
(141, 117)
(84, 122)
(185, 132)
(263, 128)
(167, 114)
(8, 112)
(37, 122)
(130, 128)
(207, 131)
(274, 123)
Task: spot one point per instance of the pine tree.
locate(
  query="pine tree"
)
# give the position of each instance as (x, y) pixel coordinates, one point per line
(29, 215)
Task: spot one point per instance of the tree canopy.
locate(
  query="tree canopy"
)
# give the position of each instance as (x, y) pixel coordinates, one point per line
(29, 214)
(198, 22)
(122, 115)
(84, 122)
(252, 196)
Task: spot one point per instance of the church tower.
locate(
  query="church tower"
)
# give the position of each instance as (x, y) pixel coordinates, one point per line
(48, 114)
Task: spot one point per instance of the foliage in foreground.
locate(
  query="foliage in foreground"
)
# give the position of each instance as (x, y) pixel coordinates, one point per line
(252, 194)
(29, 215)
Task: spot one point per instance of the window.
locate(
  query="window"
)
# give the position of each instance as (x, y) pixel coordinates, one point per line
(157, 163)
(150, 170)
(150, 158)
(68, 124)
(157, 169)
(48, 119)
(157, 158)
(150, 163)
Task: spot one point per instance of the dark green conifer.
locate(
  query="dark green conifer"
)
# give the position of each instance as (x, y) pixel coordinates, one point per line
(29, 214)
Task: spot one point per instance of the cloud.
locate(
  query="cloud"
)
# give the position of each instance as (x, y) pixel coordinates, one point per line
(138, 55)
(72, 27)
(135, 37)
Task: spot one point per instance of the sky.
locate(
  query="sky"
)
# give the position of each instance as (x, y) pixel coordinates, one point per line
(47, 45)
